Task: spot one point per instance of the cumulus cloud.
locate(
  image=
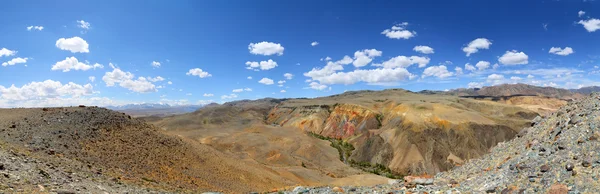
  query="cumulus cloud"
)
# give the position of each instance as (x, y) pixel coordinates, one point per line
(458, 70)
(71, 63)
(208, 95)
(514, 58)
(263, 65)
(330, 68)
(580, 13)
(315, 43)
(249, 77)
(399, 32)
(559, 51)
(155, 64)
(496, 66)
(230, 96)
(156, 79)
(125, 80)
(15, 61)
(74, 44)
(83, 24)
(317, 86)
(242, 90)
(515, 78)
(495, 79)
(530, 76)
(437, 71)
(368, 76)
(282, 91)
(38, 28)
(44, 90)
(469, 67)
(423, 49)
(92, 78)
(404, 62)
(591, 25)
(266, 81)
(482, 65)
(476, 45)
(6, 52)
(169, 82)
(475, 85)
(364, 57)
(198, 72)
(266, 48)
(288, 76)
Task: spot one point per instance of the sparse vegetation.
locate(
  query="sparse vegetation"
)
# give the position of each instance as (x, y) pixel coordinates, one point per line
(379, 118)
(378, 169)
(344, 148)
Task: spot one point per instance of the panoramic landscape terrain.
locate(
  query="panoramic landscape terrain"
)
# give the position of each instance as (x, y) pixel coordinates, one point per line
(416, 96)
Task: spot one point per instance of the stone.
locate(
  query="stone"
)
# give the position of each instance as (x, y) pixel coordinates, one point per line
(586, 163)
(544, 168)
(569, 167)
(65, 192)
(299, 189)
(419, 180)
(337, 189)
(558, 189)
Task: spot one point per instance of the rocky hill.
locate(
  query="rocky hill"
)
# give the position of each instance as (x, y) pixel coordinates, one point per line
(90, 149)
(391, 132)
(558, 154)
(517, 90)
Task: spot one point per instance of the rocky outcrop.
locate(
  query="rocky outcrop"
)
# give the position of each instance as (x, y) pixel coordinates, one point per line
(407, 132)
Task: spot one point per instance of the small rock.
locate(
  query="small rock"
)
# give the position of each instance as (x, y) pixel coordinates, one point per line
(586, 163)
(337, 189)
(569, 167)
(394, 181)
(419, 180)
(65, 192)
(299, 189)
(2, 167)
(544, 168)
(558, 189)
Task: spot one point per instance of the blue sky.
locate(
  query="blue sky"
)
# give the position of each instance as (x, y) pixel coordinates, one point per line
(50, 50)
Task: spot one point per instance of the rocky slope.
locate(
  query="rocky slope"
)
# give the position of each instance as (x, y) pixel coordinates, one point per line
(407, 132)
(559, 154)
(89, 149)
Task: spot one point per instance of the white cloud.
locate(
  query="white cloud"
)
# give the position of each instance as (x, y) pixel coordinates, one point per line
(369, 76)
(514, 58)
(44, 90)
(482, 65)
(317, 86)
(530, 76)
(71, 63)
(204, 102)
(559, 51)
(125, 80)
(15, 61)
(208, 95)
(6, 52)
(495, 79)
(155, 64)
(580, 13)
(242, 90)
(38, 28)
(476, 45)
(83, 24)
(404, 62)
(198, 72)
(423, 49)
(169, 82)
(74, 44)
(364, 57)
(249, 77)
(188, 94)
(266, 48)
(515, 78)
(437, 71)
(330, 68)
(263, 65)
(495, 66)
(475, 85)
(156, 79)
(281, 82)
(399, 31)
(92, 78)
(288, 76)
(315, 43)
(458, 70)
(327, 58)
(266, 81)
(590, 25)
(230, 96)
(469, 67)
(282, 91)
